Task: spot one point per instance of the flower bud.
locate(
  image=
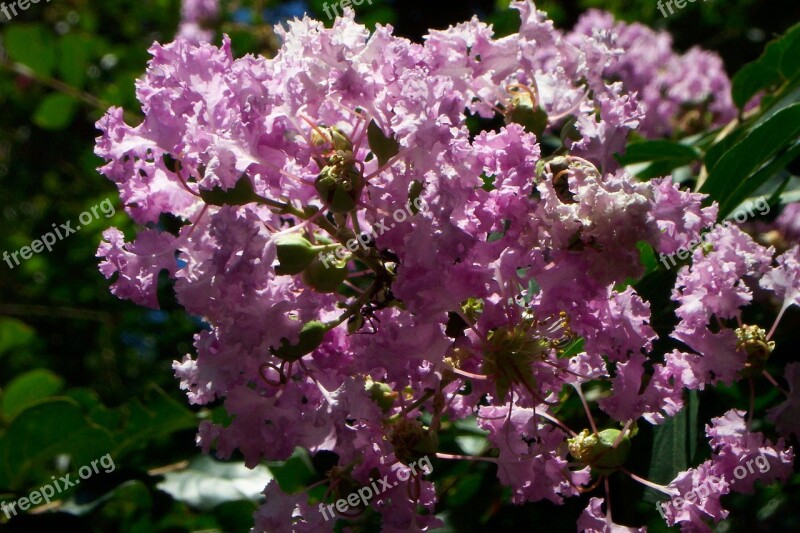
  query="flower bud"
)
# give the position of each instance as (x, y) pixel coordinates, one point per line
(382, 394)
(598, 452)
(752, 341)
(241, 193)
(325, 276)
(522, 111)
(334, 136)
(339, 185)
(295, 253)
(310, 338)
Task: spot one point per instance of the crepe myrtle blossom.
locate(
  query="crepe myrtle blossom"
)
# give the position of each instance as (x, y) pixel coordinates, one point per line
(508, 294)
(678, 92)
(696, 492)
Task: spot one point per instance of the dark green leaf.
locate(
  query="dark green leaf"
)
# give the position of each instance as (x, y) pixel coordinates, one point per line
(752, 152)
(715, 153)
(779, 62)
(466, 488)
(674, 443)
(55, 112)
(382, 146)
(749, 186)
(33, 46)
(13, 334)
(647, 257)
(751, 79)
(28, 389)
(48, 429)
(664, 156)
(295, 473)
(790, 62)
(74, 52)
(155, 415)
(656, 151)
(235, 517)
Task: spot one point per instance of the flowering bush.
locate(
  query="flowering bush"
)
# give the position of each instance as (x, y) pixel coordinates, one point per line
(514, 282)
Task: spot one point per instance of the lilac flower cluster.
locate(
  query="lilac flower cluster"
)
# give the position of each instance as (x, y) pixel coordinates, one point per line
(680, 93)
(472, 308)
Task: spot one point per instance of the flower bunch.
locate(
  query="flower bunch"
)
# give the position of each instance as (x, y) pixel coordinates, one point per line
(502, 297)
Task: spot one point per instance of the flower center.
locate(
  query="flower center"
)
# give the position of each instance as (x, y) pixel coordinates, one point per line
(752, 340)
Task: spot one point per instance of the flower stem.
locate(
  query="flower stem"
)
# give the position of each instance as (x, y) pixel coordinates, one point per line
(650, 484)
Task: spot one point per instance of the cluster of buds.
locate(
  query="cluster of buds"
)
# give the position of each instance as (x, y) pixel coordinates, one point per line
(752, 340)
(341, 180)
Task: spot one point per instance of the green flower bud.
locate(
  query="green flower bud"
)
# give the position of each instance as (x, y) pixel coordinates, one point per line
(333, 136)
(521, 111)
(240, 194)
(382, 394)
(325, 276)
(597, 451)
(310, 338)
(339, 185)
(295, 253)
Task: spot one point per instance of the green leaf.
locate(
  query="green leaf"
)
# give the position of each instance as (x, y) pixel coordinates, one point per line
(74, 53)
(33, 46)
(647, 256)
(572, 349)
(382, 146)
(790, 62)
(751, 79)
(295, 473)
(206, 483)
(235, 516)
(663, 156)
(55, 112)
(467, 488)
(98, 413)
(715, 152)
(153, 416)
(675, 443)
(752, 152)
(779, 62)
(749, 186)
(658, 151)
(40, 433)
(28, 389)
(14, 334)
